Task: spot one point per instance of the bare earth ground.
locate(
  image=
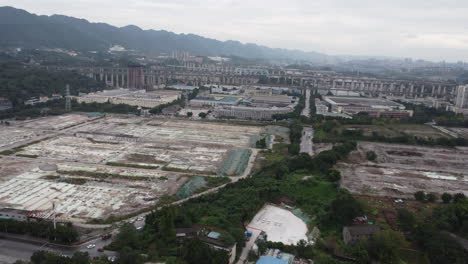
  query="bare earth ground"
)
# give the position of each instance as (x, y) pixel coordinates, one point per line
(395, 130)
(162, 154)
(460, 131)
(402, 170)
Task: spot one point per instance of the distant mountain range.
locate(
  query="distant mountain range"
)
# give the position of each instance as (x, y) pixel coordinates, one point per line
(18, 28)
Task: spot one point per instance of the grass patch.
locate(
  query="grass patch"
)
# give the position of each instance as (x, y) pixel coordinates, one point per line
(20, 148)
(51, 177)
(75, 181)
(165, 168)
(8, 152)
(104, 175)
(27, 156)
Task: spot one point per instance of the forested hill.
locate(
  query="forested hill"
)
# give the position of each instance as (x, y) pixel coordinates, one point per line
(19, 28)
(19, 83)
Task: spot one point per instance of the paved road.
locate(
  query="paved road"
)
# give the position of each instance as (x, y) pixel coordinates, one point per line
(248, 246)
(306, 110)
(306, 141)
(12, 250)
(446, 131)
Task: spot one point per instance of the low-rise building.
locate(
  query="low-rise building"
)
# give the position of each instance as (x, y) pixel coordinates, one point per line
(212, 239)
(373, 106)
(139, 98)
(5, 104)
(42, 99)
(271, 100)
(14, 214)
(353, 234)
(270, 260)
(225, 89)
(321, 107)
(251, 113)
(186, 233)
(214, 101)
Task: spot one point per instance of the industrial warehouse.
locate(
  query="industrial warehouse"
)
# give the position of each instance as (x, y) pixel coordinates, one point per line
(376, 107)
(140, 98)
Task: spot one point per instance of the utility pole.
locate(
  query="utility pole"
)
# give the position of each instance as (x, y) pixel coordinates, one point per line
(53, 208)
(67, 99)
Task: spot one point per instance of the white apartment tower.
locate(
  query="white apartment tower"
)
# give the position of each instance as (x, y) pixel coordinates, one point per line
(462, 97)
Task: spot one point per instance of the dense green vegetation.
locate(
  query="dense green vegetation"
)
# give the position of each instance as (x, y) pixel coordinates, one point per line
(19, 83)
(432, 233)
(44, 257)
(105, 108)
(261, 143)
(452, 121)
(57, 107)
(65, 233)
(371, 155)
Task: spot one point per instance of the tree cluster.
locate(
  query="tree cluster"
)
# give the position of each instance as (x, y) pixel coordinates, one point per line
(65, 233)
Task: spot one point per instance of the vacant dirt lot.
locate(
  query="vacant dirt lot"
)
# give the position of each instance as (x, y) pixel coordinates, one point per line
(396, 130)
(402, 170)
(92, 168)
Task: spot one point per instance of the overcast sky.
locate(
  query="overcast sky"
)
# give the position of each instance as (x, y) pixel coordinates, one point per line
(429, 29)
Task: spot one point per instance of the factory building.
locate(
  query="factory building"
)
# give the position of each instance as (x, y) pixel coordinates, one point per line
(271, 100)
(214, 101)
(253, 113)
(354, 105)
(139, 98)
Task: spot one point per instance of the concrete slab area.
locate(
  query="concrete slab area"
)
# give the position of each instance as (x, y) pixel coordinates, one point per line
(280, 225)
(115, 165)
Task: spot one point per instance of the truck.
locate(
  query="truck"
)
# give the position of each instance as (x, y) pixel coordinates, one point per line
(248, 235)
(106, 236)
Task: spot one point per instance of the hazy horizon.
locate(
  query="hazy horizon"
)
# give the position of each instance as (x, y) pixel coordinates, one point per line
(433, 29)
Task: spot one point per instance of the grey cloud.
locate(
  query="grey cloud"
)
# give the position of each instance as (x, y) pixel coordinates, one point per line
(430, 29)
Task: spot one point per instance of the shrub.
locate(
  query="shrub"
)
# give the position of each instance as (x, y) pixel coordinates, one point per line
(446, 198)
(371, 155)
(420, 196)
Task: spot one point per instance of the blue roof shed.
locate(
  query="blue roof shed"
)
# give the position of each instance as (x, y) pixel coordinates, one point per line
(270, 260)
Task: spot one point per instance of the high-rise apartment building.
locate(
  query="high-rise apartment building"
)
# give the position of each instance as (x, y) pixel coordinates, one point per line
(462, 97)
